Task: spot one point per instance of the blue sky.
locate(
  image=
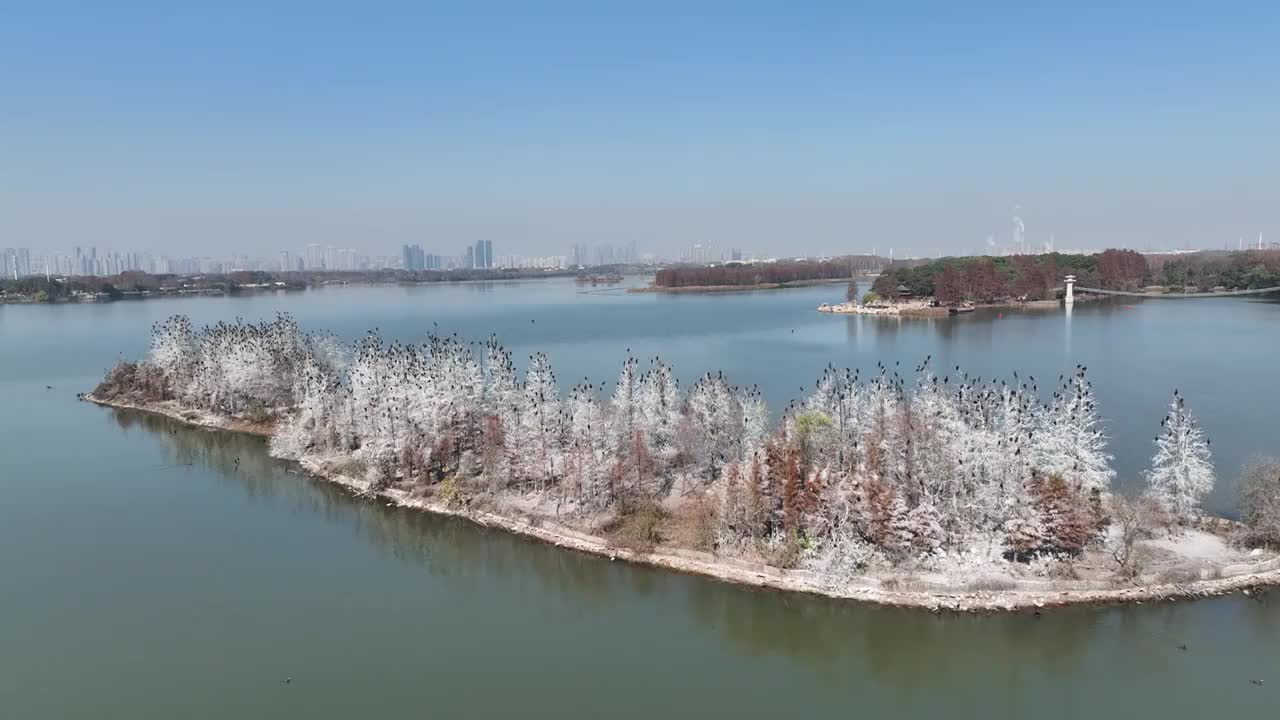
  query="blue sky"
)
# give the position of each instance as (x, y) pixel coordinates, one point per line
(776, 127)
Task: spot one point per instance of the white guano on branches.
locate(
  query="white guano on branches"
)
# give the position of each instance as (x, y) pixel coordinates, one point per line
(859, 470)
(1181, 474)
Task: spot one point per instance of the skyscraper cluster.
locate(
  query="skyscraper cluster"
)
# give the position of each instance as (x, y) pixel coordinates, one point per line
(412, 257)
(605, 254)
(474, 257)
(483, 255)
(15, 263)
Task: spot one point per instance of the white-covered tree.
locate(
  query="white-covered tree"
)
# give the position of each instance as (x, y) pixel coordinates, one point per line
(1070, 442)
(755, 423)
(626, 406)
(540, 430)
(1181, 473)
(174, 350)
(660, 406)
(715, 426)
(587, 446)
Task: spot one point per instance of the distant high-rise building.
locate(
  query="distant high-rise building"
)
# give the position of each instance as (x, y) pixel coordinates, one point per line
(604, 254)
(469, 258)
(482, 254)
(285, 264)
(700, 252)
(412, 258)
(24, 262)
(314, 258)
(348, 260)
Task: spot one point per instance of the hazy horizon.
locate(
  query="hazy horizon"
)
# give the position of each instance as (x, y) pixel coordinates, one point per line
(823, 130)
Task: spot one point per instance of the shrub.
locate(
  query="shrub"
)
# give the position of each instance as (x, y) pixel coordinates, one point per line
(350, 467)
(1064, 569)
(257, 412)
(450, 491)
(696, 524)
(132, 381)
(784, 550)
(1178, 575)
(1134, 521)
(990, 584)
(637, 525)
(1259, 490)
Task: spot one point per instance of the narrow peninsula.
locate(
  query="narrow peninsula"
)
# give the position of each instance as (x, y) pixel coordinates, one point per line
(924, 488)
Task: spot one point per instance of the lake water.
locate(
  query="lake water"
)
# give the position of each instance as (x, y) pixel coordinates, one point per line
(151, 570)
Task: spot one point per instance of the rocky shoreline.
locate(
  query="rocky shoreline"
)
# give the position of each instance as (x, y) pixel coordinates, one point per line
(917, 309)
(920, 308)
(1023, 595)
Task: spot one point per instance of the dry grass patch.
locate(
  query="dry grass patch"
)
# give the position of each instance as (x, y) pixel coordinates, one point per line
(990, 584)
(693, 524)
(637, 526)
(905, 583)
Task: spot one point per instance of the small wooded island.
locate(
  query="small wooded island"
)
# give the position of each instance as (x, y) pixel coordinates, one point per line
(928, 488)
(927, 288)
(738, 276)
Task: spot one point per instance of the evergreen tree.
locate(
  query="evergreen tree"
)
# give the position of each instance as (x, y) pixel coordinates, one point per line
(1070, 443)
(1181, 473)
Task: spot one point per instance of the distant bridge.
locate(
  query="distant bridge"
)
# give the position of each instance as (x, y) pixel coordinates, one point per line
(1224, 293)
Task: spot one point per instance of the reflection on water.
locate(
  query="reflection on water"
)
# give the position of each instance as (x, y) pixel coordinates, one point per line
(176, 572)
(833, 639)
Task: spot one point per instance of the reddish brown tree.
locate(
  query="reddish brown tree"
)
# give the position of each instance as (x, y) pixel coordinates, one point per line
(984, 281)
(949, 286)
(1066, 514)
(1121, 269)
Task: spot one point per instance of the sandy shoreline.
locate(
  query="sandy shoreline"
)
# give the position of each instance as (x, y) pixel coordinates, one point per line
(1026, 594)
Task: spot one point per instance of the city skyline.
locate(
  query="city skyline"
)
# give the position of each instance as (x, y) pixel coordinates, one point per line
(87, 260)
(90, 260)
(827, 129)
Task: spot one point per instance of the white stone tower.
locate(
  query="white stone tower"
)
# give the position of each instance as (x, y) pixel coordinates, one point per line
(1070, 298)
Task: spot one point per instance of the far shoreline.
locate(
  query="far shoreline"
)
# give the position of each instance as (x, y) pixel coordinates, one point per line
(711, 289)
(1025, 595)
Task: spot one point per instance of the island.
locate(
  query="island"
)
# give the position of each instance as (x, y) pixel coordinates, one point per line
(923, 488)
(957, 285)
(739, 276)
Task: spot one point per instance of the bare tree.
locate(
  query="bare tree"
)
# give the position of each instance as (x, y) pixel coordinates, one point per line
(1259, 489)
(1133, 520)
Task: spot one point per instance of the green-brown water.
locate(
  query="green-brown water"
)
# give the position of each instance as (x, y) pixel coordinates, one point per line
(153, 570)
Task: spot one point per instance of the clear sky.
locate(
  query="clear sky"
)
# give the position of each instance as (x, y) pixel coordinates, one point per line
(783, 127)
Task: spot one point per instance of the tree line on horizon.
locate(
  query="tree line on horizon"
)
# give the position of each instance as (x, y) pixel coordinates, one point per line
(983, 279)
(38, 288)
(733, 274)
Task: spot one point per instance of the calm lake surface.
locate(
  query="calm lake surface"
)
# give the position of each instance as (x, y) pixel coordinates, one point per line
(151, 570)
